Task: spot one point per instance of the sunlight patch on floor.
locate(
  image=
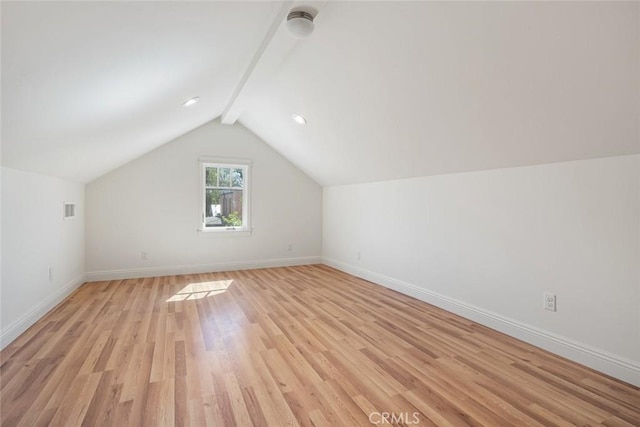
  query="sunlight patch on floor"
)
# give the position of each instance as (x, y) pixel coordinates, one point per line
(201, 290)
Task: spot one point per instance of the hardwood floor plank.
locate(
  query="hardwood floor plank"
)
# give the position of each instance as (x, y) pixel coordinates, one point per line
(294, 346)
(276, 406)
(344, 406)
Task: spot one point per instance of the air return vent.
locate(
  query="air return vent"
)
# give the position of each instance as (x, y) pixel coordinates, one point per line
(69, 210)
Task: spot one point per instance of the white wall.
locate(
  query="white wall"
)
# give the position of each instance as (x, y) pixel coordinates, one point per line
(488, 244)
(152, 205)
(35, 237)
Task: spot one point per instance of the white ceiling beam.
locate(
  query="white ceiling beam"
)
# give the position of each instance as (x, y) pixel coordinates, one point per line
(272, 51)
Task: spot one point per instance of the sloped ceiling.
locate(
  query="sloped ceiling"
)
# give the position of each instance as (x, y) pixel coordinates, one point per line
(89, 86)
(390, 89)
(393, 90)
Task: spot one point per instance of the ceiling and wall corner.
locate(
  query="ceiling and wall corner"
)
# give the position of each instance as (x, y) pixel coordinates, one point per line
(390, 89)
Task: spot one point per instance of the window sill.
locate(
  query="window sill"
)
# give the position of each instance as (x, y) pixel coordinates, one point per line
(226, 232)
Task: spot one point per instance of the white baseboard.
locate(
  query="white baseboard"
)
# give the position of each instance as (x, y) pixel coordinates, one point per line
(96, 276)
(600, 360)
(18, 326)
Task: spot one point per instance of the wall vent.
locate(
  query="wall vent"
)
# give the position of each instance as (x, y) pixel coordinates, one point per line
(69, 210)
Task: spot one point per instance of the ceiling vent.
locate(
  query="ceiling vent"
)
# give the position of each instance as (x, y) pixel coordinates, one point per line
(69, 210)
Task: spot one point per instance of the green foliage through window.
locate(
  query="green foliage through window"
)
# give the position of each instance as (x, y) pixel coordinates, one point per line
(232, 220)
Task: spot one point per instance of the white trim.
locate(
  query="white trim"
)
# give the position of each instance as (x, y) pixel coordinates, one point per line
(619, 367)
(232, 161)
(133, 273)
(223, 232)
(14, 329)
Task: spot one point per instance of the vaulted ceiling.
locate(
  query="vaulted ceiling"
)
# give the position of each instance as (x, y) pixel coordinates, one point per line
(389, 89)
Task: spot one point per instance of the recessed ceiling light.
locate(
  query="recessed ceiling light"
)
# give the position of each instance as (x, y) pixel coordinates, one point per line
(299, 119)
(191, 101)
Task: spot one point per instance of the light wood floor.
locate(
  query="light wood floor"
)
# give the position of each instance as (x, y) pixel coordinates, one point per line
(287, 346)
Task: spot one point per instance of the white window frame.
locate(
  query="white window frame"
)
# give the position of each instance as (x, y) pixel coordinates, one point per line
(245, 229)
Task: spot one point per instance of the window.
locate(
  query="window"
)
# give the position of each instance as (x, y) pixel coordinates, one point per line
(224, 195)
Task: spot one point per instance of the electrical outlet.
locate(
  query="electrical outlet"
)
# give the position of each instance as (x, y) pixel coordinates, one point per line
(358, 256)
(50, 274)
(144, 256)
(549, 301)
(290, 247)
